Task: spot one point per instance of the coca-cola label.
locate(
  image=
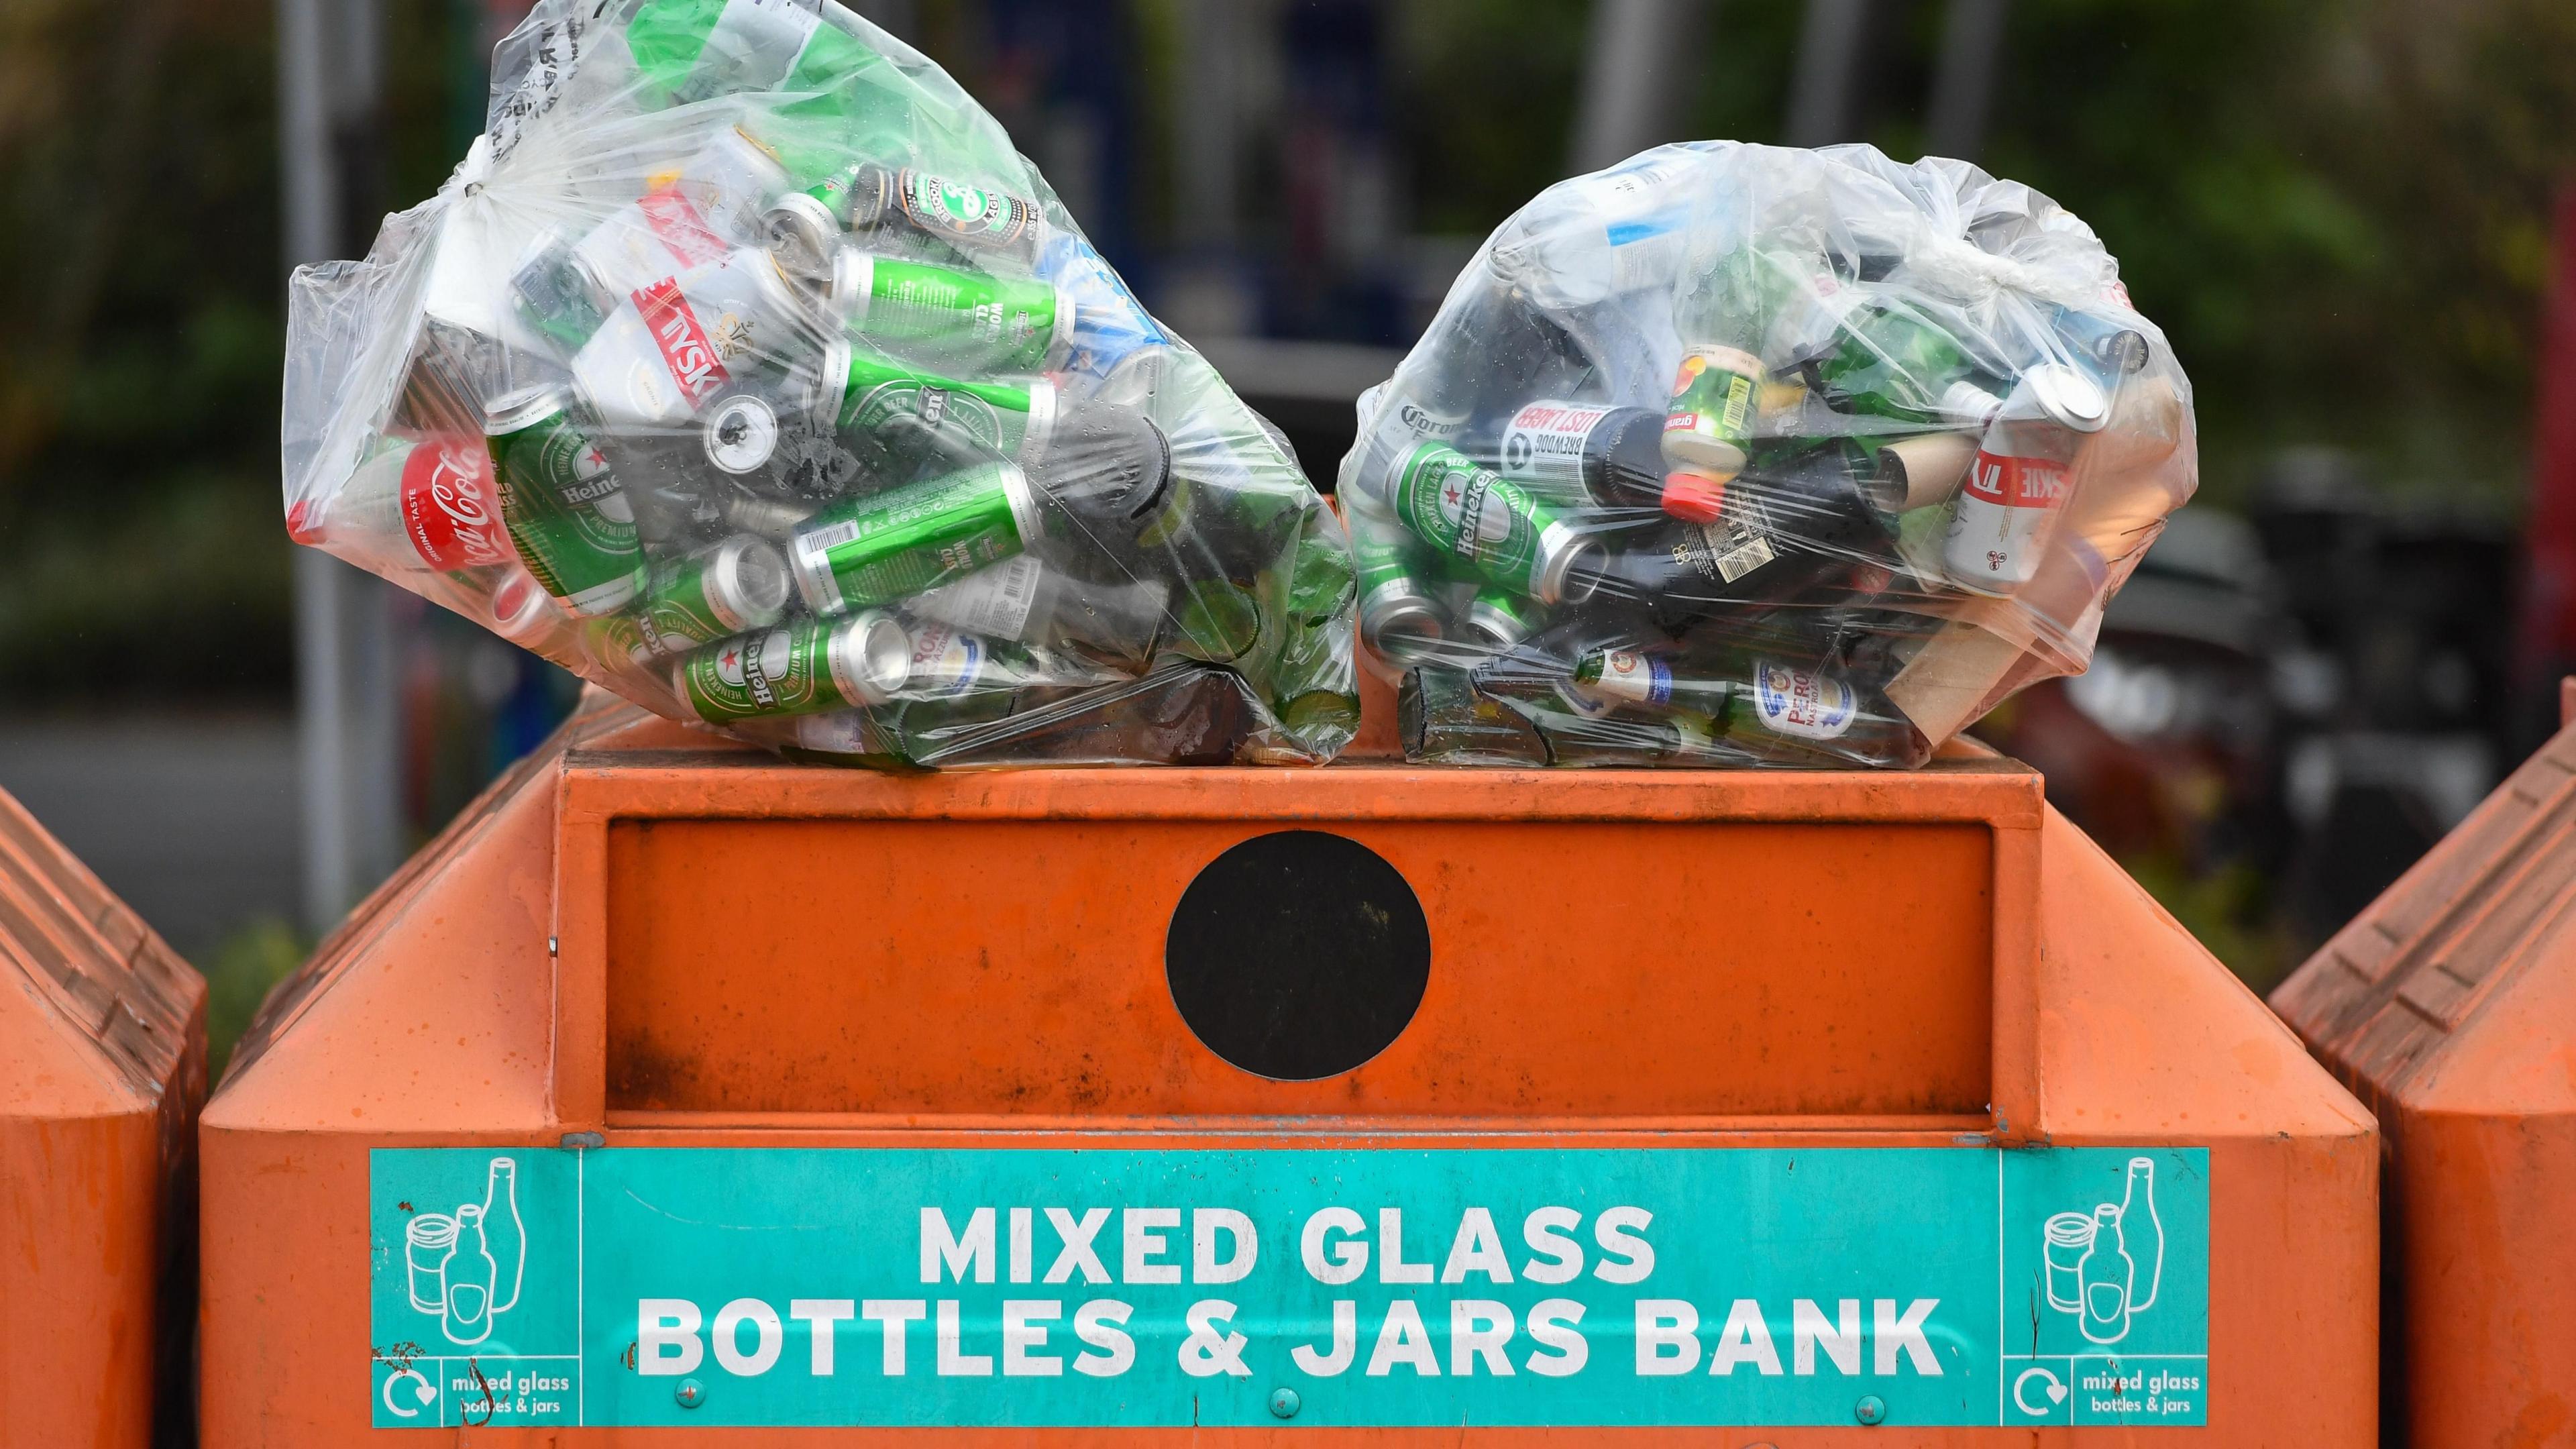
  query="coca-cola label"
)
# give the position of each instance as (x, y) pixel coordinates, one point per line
(2009, 482)
(449, 508)
(1801, 702)
(687, 351)
(680, 227)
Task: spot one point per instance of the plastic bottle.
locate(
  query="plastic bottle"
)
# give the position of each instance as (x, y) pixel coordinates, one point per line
(1595, 237)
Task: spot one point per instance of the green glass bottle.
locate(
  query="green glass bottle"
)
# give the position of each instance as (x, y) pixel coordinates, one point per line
(1891, 361)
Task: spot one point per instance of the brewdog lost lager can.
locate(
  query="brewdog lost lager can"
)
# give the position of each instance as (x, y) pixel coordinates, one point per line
(1494, 525)
(800, 668)
(562, 503)
(739, 584)
(876, 391)
(899, 543)
(996, 323)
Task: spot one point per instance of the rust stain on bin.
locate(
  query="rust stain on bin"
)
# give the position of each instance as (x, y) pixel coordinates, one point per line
(2006, 984)
(102, 1069)
(2450, 1007)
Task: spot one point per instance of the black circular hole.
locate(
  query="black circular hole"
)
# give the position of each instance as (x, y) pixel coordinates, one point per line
(1298, 955)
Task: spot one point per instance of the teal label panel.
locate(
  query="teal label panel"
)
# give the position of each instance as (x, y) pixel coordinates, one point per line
(722, 1287)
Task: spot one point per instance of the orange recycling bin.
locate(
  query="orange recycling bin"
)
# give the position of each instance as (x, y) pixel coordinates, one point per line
(678, 1095)
(2450, 1007)
(102, 1070)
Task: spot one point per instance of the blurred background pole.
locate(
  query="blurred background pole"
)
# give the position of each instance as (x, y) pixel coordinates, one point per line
(330, 65)
(1640, 63)
(1963, 80)
(1823, 89)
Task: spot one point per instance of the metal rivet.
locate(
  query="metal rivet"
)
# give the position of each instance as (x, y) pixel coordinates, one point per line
(1870, 1410)
(690, 1393)
(1285, 1403)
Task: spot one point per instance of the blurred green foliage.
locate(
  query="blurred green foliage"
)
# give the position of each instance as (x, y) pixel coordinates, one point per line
(239, 976)
(2338, 209)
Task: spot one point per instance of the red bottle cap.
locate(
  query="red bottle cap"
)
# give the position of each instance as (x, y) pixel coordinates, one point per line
(1694, 497)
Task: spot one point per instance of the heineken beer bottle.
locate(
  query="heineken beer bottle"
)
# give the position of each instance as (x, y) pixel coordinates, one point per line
(562, 503)
(803, 667)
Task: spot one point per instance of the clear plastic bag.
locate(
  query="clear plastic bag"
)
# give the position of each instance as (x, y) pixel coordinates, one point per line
(744, 368)
(1741, 455)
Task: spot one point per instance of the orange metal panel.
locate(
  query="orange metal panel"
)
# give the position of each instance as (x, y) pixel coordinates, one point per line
(674, 990)
(2450, 1005)
(102, 1068)
(748, 970)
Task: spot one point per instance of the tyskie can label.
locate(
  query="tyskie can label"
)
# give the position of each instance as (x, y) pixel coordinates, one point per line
(1476, 514)
(567, 514)
(1711, 413)
(2000, 524)
(901, 543)
(1544, 445)
(450, 511)
(1803, 703)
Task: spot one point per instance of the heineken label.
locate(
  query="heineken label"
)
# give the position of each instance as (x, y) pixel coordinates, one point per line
(771, 671)
(682, 612)
(616, 640)
(449, 510)
(1632, 677)
(902, 543)
(993, 417)
(1711, 413)
(946, 662)
(1801, 702)
(1472, 513)
(1010, 322)
(966, 213)
(994, 601)
(1543, 447)
(567, 515)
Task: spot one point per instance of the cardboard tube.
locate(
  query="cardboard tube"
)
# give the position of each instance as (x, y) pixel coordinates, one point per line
(1923, 470)
(1954, 678)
